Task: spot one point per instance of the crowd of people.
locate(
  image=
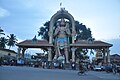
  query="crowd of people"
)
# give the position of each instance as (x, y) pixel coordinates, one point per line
(7, 61)
(81, 65)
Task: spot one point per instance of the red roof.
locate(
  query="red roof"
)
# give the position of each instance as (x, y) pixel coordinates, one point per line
(80, 43)
(94, 44)
(34, 44)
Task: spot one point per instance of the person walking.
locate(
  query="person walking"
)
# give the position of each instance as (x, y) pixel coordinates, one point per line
(114, 70)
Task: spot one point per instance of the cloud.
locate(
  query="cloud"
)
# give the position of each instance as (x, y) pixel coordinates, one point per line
(4, 12)
(115, 48)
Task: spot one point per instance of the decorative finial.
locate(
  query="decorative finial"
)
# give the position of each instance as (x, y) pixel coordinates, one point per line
(61, 7)
(61, 4)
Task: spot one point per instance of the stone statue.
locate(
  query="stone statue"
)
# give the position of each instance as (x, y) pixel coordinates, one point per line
(61, 33)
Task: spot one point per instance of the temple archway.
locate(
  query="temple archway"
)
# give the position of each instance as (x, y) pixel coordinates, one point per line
(61, 14)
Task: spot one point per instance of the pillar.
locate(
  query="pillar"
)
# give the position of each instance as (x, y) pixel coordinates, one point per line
(23, 51)
(104, 56)
(73, 36)
(49, 54)
(50, 36)
(108, 55)
(49, 64)
(19, 50)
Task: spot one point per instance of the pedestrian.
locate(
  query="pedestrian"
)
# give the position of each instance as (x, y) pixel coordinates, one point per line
(114, 68)
(43, 65)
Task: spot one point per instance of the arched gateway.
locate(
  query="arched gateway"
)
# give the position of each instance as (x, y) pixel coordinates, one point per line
(61, 30)
(60, 33)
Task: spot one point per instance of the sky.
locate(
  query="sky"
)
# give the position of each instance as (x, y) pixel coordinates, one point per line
(24, 17)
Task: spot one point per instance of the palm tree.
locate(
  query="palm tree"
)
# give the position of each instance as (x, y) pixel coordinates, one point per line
(3, 42)
(1, 31)
(12, 40)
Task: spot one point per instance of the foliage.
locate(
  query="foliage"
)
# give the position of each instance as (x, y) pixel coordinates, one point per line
(43, 32)
(3, 42)
(82, 32)
(12, 40)
(1, 31)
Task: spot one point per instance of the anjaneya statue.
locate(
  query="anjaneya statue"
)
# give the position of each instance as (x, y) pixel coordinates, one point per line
(61, 33)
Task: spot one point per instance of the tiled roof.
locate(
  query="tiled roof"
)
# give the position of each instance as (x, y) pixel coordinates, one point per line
(94, 44)
(115, 55)
(80, 43)
(34, 44)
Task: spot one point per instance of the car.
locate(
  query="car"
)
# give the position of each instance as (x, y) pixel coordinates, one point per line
(97, 68)
(36, 65)
(108, 68)
(103, 68)
(118, 69)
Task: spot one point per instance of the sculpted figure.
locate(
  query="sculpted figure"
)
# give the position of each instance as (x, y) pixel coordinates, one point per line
(61, 33)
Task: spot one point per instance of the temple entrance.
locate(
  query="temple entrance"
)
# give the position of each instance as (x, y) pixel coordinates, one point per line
(62, 41)
(60, 32)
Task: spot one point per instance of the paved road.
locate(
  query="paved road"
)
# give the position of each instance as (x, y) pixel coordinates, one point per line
(29, 73)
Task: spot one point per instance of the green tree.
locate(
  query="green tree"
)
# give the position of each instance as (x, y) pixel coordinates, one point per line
(3, 42)
(1, 31)
(11, 40)
(43, 31)
(82, 32)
